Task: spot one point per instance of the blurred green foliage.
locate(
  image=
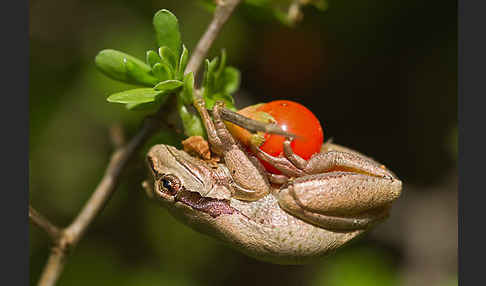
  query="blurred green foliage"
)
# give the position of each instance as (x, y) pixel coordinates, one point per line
(380, 75)
(164, 72)
(360, 267)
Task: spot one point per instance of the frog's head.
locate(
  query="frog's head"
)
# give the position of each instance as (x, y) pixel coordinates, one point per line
(174, 170)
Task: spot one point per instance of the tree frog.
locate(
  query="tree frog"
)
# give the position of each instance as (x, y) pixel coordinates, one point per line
(313, 207)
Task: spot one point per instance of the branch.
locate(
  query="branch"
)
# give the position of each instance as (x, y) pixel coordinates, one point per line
(294, 14)
(108, 183)
(224, 9)
(117, 135)
(54, 266)
(44, 224)
(65, 240)
(70, 236)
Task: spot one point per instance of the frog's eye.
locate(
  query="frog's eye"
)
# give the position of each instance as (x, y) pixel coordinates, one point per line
(166, 184)
(169, 184)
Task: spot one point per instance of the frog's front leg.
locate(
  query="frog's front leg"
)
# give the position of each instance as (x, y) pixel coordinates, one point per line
(338, 190)
(249, 180)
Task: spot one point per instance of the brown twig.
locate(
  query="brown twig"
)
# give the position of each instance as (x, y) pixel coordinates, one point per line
(224, 9)
(294, 13)
(54, 266)
(66, 239)
(117, 135)
(44, 224)
(69, 237)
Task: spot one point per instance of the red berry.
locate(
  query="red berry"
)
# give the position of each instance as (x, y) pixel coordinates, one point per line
(298, 120)
(294, 117)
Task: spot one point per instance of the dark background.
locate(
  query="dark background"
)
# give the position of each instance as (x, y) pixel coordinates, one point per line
(381, 76)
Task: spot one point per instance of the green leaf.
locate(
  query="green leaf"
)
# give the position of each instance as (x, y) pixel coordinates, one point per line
(276, 10)
(148, 106)
(228, 100)
(167, 31)
(212, 66)
(141, 106)
(152, 58)
(206, 74)
(210, 100)
(162, 71)
(209, 74)
(230, 80)
(138, 75)
(222, 64)
(183, 60)
(168, 85)
(321, 5)
(123, 67)
(192, 123)
(207, 5)
(220, 82)
(187, 94)
(265, 10)
(167, 55)
(138, 95)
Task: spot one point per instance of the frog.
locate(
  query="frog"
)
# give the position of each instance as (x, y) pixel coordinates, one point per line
(312, 208)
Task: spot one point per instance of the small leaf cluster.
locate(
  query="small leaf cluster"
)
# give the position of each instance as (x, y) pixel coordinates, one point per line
(162, 75)
(219, 82)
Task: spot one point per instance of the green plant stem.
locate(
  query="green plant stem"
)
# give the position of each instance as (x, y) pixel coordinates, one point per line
(66, 239)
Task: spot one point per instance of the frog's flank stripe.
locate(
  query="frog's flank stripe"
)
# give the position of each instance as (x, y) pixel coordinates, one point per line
(212, 206)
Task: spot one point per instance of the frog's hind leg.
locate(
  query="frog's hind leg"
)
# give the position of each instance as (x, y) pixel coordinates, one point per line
(338, 200)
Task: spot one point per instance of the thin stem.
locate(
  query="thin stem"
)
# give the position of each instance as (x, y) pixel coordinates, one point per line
(117, 135)
(54, 266)
(294, 13)
(224, 9)
(44, 224)
(107, 185)
(67, 239)
(70, 236)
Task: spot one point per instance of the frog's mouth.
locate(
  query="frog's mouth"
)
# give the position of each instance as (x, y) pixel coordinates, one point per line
(175, 191)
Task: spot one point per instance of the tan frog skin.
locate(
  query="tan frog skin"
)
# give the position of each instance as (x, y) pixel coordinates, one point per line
(314, 207)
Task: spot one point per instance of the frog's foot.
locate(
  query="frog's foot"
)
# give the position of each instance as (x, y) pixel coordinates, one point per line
(332, 158)
(339, 201)
(335, 189)
(284, 165)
